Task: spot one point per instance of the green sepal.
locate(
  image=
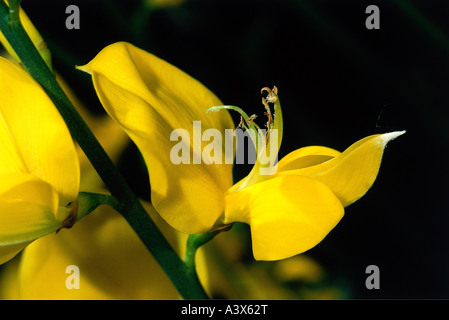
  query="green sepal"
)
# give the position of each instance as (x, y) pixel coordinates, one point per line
(88, 202)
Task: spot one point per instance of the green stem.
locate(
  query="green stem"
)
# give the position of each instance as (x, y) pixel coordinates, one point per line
(129, 206)
(88, 202)
(14, 10)
(194, 242)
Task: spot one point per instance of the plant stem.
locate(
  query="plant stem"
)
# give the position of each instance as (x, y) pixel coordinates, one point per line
(194, 241)
(129, 206)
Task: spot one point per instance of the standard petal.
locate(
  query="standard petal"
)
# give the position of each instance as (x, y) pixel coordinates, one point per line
(36, 139)
(149, 99)
(287, 215)
(352, 173)
(28, 207)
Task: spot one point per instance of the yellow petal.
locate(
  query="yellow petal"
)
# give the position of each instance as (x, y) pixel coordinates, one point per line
(33, 134)
(113, 263)
(28, 208)
(300, 158)
(9, 252)
(287, 215)
(350, 174)
(306, 157)
(149, 98)
(29, 188)
(9, 288)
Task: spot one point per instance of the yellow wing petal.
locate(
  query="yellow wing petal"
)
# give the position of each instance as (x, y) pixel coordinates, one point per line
(287, 215)
(350, 174)
(150, 98)
(36, 139)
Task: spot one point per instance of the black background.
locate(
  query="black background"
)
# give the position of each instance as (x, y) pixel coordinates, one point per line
(338, 82)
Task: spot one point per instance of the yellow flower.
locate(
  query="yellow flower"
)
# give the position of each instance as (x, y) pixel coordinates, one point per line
(112, 262)
(289, 211)
(39, 168)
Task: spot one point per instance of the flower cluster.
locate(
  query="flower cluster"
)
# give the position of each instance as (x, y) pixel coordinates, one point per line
(290, 204)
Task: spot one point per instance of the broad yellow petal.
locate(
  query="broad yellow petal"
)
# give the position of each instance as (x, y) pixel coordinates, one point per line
(149, 99)
(287, 215)
(33, 134)
(350, 174)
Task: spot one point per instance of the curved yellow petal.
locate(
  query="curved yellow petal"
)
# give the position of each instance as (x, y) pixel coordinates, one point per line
(350, 174)
(33, 134)
(287, 215)
(28, 222)
(28, 209)
(10, 251)
(149, 98)
(29, 188)
(306, 157)
(300, 158)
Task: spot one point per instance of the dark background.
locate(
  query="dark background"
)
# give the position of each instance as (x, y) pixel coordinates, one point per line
(338, 82)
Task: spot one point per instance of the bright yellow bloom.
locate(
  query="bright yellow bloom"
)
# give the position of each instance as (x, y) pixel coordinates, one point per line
(39, 169)
(112, 261)
(289, 211)
(159, 98)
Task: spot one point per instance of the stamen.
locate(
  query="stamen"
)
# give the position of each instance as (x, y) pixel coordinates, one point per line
(272, 94)
(268, 113)
(272, 97)
(251, 119)
(242, 123)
